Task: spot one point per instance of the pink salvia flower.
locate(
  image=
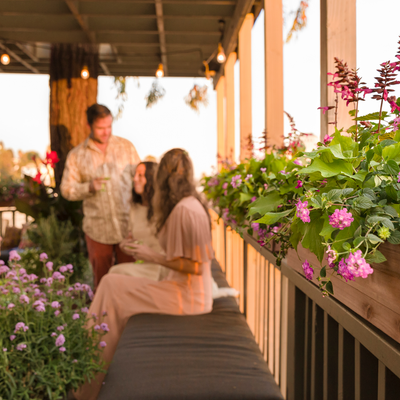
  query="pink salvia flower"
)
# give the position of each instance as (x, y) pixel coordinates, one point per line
(308, 270)
(341, 219)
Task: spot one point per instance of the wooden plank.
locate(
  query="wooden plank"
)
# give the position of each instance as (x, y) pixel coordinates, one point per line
(161, 34)
(381, 381)
(245, 86)
(221, 153)
(273, 27)
(357, 370)
(284, 345)
(261, 311)
(340, 362)
(338, 39)
(252, 260)
(277, 322)
(230, 107)
(228, 261)
(271, 320)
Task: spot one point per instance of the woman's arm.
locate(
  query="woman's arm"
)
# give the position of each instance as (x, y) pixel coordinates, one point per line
(145, 253)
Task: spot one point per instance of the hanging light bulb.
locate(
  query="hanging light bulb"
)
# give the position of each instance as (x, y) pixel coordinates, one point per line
(160, 71)
(5, 59)
(221, 58)
(85, 72)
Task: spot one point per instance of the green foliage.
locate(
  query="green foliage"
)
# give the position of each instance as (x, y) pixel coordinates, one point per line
(38, 363)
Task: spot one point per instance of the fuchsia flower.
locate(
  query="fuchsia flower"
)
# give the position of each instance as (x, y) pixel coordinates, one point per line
(75, 316)
(12, 337)
(19, 326)
(302, 211)
(236, 181)
(11, 306)
(57, 312)
(324, 109)
(297, 162)
(62, 349)
(308, 270)
(263, 169)
(254, 198)
(103, 344)
(104, 327)
(21, 346)
(255, 226)
(14, 256)
(49, 266)
(327, 139)
(225, 185)
(249, 176)
(299, 184)
(39, 306)
(341, 219)
(60, 340)
(43, 257)
(55, 304)
(24, 299)
(4, 269)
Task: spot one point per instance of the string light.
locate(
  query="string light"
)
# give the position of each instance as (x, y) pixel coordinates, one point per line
(5, 59)
(160, 71)
(221, 58)
(85, 73)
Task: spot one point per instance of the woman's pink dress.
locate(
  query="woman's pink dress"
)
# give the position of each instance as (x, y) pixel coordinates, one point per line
(185, 234)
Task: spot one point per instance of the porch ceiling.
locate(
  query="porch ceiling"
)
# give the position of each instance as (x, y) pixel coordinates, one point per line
(134, 36)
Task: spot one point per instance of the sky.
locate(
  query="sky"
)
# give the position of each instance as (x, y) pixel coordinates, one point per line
(24, 99)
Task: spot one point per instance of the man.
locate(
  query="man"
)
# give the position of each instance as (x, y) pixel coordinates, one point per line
(99, 171)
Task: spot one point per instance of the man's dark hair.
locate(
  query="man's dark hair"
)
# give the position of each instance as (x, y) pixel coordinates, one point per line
(96, 111)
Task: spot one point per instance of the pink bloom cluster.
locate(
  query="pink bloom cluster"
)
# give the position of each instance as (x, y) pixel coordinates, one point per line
(327, 139)
(308, 270)
(341, 219)
(213, 182)
(236, 181)
(354, 266)
(331, 256)
(302, 211)
(299, 184)
(297, 162)
(249, 176)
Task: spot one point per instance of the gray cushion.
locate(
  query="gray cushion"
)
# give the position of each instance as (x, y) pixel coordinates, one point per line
(211, 356)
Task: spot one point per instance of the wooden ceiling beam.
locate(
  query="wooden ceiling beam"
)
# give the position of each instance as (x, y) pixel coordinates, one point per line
(104, 68)
(27, 52)
(161, 33)
(19, 59)
(72, 5)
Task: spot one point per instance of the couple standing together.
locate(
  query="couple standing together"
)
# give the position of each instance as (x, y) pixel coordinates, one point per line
(161, 222)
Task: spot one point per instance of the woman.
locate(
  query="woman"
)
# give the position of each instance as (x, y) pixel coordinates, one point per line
(141, 224)
(183, 226)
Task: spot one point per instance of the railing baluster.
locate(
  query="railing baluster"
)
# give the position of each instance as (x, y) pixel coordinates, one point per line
(357, 370)
(306, 349)
(381, 381)
(245, 268)
(313, 345)
(340, 362)
(277, 322)
(325, 382)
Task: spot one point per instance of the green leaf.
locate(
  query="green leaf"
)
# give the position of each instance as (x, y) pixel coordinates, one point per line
(312, 239)
(372, 116)
(334, 195)
(266, 204)
(327, 228)
(329, 287)
(370, 155)
(394, 237)
(391, 192)
(387, 142)
(374, 239)
(369, 193)
(346, 246)
(346, 234)
(375, 257)
(391, 168)
(297, 231)
(270, 218)
(391, 211)
(358, 231)
(363, 203)
(245, 197)
(392, 152)
(322, 273)
(358, 240)
(336, 167)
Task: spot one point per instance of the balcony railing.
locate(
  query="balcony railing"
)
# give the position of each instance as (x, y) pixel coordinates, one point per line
(316, 347)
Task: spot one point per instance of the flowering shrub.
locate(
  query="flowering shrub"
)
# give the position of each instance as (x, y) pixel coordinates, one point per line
(340, 201)
(10, 190)
(45, 349)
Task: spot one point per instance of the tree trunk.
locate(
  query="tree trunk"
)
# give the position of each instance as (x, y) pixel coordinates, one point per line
(70, 96)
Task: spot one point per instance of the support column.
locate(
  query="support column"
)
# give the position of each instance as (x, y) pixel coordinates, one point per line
(338, 39)
(245, 86)
(220, 88)
(230, 106)
(70, 96)
(273, 25)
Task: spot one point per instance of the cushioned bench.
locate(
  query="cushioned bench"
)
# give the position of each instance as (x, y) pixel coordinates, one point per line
(212, 356)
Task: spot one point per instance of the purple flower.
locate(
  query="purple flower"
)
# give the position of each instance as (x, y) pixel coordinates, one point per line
(104, 327)
(75, 316)
(24, 298)
(254, 198)
(263, 169)
(49, 266)
(16, 290)
(4, 269)
(49, 282)
(299, 184)
(60, 340)
(62, 349)
(331, 256)
(22, 271)
(344, 271)
(57, 312)
(19, 326)
(4, 349)
(398, 177)
(249, 176)
(104, 313)
(341, 219)
(12, 337)
(57, 275)
(21, 346)
(327, 139)
(97, 327)
(75, 361)
(39, 306)
(357, 265)
(55, 304)
(43, 257)
(103, 344)
(225, 186)
(297, 162)
(265, 186)
(85, 310)
(60, 328)
(70, 267)
(302, 211)
(11, 306)
(43, 280)
(255, 226)
(53, 334)
(63, 269)
(308, 270)
(14, 256)
(236, 181)
(213, 182)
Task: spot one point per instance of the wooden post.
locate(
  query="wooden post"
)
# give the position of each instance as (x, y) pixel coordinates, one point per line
(230, 106)
(245, 86)
(273, 72)
(220, 88)
(70, 96)
(338, 39)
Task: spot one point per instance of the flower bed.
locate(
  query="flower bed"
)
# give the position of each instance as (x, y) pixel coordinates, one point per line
(45, 348)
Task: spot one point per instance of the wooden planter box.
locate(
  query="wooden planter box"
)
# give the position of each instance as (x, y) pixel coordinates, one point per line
(9, 203)
(376, 298)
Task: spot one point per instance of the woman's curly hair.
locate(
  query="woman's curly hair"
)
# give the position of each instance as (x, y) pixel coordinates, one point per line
(174, 181)
(148, 193)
